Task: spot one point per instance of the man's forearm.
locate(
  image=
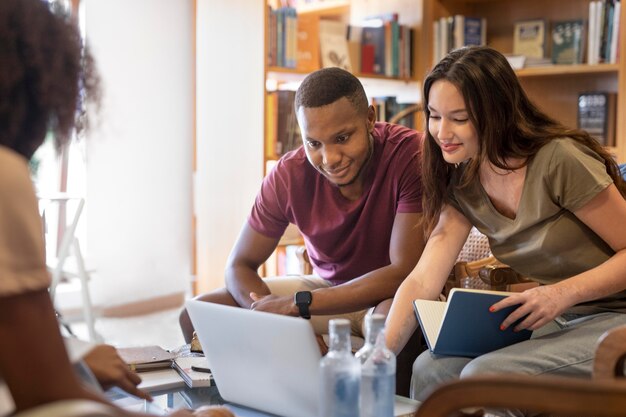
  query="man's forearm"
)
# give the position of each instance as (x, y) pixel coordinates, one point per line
(359, 293)
(241, 281)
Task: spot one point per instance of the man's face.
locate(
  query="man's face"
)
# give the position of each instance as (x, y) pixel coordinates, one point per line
(337, 140)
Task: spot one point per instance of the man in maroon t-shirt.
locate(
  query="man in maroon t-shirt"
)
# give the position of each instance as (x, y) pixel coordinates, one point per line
(354, 191)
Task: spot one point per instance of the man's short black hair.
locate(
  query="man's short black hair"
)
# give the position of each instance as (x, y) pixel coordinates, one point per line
(328, 85)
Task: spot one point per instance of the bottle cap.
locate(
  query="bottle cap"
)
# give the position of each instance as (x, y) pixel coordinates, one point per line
(376, 318)
(335, 325)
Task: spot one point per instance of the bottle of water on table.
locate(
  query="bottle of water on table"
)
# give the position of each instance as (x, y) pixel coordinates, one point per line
(378, 370)
(340, 374)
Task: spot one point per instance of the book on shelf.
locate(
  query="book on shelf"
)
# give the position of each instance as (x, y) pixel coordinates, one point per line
(451, 32)
(354, 36)
(146, 357)
(384, 46)
(603, 31)
(529, 38)
(308, 47)
(334, 44)
(464, 326)
(567, 41)
(373, 50)
(597, 115)
(271, 134)
(194, 370)
(469, 31)
(282, 36)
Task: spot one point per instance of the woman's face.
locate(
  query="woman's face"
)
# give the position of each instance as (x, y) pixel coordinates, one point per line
(449, 123)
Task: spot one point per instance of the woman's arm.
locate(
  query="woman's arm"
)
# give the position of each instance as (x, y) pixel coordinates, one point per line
(33, 360)
(428, 277)
(605, 214)
(34, 363)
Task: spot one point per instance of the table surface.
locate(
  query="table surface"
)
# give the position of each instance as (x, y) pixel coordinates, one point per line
(185, 397)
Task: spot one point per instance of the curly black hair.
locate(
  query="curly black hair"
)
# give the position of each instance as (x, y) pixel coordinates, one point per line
(45, 74)
(328, 85)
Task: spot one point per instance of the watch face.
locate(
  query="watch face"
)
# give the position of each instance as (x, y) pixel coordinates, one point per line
(304, 297)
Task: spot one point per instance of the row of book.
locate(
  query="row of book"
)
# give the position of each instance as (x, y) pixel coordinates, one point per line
(388, 107)
(456, 31)
(603, 36)
(380, 45)
(541, 42)
(283, 37)
(283, 131)
(567, 38)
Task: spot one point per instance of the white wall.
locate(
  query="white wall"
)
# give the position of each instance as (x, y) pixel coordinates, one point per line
(139, 167)
(230, 85)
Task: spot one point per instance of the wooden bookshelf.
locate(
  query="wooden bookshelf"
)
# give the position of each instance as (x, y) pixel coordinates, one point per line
(554, 88)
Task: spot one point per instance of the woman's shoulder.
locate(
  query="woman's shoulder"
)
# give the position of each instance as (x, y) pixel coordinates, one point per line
(564, 148)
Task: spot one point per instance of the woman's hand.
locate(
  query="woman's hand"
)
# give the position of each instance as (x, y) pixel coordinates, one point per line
(110, 370)
(537, 307)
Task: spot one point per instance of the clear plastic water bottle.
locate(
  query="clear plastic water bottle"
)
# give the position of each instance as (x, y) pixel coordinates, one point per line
(340, 374)
(378, 370)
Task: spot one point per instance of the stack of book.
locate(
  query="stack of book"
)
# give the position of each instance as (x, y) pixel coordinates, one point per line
(195, 371)
(158, 368)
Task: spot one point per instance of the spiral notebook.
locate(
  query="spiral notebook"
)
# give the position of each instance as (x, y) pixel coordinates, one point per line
(188, 367)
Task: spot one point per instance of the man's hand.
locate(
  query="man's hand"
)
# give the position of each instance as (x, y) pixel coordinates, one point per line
(274, 304)
(321, 344)
(110, 370)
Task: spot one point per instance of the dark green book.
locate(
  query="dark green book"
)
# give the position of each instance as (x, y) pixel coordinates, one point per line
(567, 41)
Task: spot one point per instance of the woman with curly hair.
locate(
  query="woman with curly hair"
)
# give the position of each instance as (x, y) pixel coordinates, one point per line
(551, 201)
(42, 69)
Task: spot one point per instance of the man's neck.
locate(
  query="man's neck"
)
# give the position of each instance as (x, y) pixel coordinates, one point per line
(353, 191)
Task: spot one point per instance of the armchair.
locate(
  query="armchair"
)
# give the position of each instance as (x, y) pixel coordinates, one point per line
(603, 396)
(476, 267)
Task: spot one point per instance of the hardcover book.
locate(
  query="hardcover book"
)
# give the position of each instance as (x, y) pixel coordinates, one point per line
(596, 115)
(567, 42)
(373, 50)
(308, 53)
(469, 31)
(464, 326)
(334, 44)
(529, 38)
(146, 357)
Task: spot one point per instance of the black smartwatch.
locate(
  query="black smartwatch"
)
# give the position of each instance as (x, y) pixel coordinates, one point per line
(303, 301)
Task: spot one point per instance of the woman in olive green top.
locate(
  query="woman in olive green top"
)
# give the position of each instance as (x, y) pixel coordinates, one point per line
(551, 201)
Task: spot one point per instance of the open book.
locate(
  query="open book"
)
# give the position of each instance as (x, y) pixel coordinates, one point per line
(464, 326)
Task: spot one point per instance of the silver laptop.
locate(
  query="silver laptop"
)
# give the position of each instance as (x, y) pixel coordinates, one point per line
(264, 361)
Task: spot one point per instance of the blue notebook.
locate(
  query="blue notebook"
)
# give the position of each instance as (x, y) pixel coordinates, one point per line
(464, 326)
